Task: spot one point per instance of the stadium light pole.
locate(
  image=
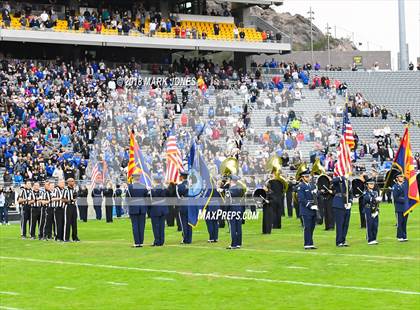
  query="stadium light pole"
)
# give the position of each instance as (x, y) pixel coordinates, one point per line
(403, 63)
(311, 18)
(328, 44)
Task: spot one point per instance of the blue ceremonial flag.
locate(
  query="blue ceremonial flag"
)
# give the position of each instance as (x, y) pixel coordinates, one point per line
(201, 187)
(137, 165)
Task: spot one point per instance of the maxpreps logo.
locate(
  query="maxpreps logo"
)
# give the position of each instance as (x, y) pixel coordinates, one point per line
(137, 82)
(228, 215)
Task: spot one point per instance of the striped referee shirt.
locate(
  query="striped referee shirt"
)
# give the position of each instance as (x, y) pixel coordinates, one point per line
(70, 194)
(36, 197)
(59, 193)
(47, 196)
(24, 194)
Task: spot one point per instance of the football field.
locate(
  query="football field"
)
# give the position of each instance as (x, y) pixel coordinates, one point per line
(269, 272)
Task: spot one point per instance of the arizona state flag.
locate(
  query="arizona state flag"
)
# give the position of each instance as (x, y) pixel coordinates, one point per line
(405, 162)
(136, 163)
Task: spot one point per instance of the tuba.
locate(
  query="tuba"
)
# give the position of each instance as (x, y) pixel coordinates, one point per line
(229, 167)
(323, 181)
(274, 165)
(302, 167)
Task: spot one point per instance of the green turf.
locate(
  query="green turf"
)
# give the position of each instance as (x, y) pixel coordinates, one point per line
(152, 284)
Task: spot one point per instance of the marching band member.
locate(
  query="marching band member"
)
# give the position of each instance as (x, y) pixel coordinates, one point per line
(82, 202)
(371, 199)
(276, 200)
(289, 196)
(267, 210)
(307, 208)
(212, 221)
(182, 192)
(235, 192)
(363, 177)
(325, 200)
(400, 195)
(342, 209)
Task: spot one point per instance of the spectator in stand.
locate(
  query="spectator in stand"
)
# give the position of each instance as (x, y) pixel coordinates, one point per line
(152, 28)
(242, 34)
(177, 31)
(317, 66)
(183, 33)
(384, 112)
(408, 117)
(216, 29)
(411, 66)
(264, 36)
(235, 33)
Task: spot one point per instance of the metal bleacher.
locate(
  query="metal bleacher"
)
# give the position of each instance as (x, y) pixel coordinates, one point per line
(395, 90)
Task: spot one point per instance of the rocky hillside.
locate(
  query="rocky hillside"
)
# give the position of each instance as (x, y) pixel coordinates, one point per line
(299, 27)
(296, 26)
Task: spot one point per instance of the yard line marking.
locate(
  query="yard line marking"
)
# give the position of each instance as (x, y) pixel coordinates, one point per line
(278, 251)
(8, 308)
(213, 275)
(9, 293)
(296, 267)
(117, 283)
(337, 264)
(163, 279)
(65, 288)
(302, 252)
(256, 271)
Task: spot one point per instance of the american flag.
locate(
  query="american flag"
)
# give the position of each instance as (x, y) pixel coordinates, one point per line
(173, 161)
(98, 174)
(343, 164)
(347, 130)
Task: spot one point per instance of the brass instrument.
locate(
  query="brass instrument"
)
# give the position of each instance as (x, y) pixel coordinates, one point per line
(317, 168)
(302, 167)
(229, 167)
(323, 181)
(273, 166)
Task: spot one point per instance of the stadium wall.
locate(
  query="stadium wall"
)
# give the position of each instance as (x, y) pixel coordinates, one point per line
(338, 58)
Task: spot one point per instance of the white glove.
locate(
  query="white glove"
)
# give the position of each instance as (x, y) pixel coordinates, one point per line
(314, 191)
(347, 206)
(314, 207)
(374, 215)
(378, 199)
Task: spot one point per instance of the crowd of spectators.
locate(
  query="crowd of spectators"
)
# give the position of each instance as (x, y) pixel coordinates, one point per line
(124, 21)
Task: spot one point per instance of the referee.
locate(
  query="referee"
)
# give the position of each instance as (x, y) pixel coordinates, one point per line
(25, 211)
(59, 205)
(47, 213)
(35, 199)
(70, 212)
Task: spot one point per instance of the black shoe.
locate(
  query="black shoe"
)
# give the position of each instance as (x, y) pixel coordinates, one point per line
(23, 237)
(33, 238)
(136, 246)
(66, 241)
(76, 240)
(231, 248)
